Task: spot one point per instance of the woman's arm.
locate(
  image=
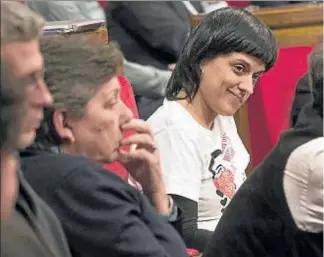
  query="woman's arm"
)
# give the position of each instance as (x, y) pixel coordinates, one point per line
(193, 237)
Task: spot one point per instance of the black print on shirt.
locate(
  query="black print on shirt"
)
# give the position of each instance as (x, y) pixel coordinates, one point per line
(215, 170)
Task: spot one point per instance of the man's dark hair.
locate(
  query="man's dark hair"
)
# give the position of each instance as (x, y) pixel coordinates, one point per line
(221, 32)
(11, 110)
(316, 77)
(75, 69)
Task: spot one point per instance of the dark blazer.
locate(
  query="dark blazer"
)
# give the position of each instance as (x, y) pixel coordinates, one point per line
(259, 221)
(33, 229)
(101, 214)
(19, 239)
(149, 32)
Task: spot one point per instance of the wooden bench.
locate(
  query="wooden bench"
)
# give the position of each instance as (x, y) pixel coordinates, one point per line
(98, 35)
(94, 29)
(295, 25)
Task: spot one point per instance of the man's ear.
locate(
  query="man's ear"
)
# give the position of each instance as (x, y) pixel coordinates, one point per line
(61, 126)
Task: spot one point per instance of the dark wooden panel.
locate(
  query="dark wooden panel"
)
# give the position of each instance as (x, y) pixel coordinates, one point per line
(291, 15)
(99, 35)
(293, 25)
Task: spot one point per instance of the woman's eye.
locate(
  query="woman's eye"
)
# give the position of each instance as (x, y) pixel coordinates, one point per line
(110, 104)
(256, 77)
(239, 68)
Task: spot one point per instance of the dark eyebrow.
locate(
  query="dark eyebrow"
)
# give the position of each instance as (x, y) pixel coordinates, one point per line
(248, 65)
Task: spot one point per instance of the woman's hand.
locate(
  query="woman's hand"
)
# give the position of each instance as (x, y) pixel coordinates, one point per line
(143, 163)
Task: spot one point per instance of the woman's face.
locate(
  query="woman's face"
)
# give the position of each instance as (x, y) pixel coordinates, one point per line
(98, 134)
(227, 81)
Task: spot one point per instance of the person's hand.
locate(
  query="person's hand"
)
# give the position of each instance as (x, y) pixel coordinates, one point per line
(143, 163)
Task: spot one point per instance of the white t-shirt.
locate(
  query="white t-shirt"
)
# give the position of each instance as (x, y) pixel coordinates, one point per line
(206, 166)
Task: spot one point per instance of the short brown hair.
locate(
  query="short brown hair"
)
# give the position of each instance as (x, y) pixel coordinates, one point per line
(75, 69)
(19, 23)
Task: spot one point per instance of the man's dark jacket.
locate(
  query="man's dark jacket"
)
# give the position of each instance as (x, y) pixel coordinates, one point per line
(258, 221)
(33, 229)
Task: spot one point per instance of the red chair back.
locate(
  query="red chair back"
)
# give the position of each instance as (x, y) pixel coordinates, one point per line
(103, 4)
(241, 4)
(269, 108)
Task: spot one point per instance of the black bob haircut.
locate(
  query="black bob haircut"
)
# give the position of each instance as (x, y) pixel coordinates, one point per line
(221, 32)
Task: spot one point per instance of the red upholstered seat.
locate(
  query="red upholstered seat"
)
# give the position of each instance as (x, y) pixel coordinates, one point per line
(239, 3)
(103, 4)
(193, 252)
(269, 108)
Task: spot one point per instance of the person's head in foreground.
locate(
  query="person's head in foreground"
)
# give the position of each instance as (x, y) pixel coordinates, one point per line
(11, 114)
(222, 61)
(87, 114)
(20, 31)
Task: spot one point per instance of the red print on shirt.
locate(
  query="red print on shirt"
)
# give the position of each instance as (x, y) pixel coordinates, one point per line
(225, 183)
(227, 149)
(222, 170)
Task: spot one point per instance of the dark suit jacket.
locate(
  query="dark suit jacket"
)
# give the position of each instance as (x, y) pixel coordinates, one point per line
(149, 32)
(101, 214)
(33, 229)
(19, 239)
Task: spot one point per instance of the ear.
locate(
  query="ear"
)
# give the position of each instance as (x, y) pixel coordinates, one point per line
(202, 66)
(61, 126)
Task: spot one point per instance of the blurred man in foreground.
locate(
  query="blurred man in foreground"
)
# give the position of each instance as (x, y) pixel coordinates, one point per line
(20, 31)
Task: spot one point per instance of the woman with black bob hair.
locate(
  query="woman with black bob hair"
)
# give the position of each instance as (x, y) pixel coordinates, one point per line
(203, 157)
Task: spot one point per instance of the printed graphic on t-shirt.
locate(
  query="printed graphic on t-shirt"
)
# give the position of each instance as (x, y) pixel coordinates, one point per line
(223, 170)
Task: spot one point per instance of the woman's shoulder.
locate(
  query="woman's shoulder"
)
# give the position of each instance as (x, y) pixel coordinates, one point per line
(171, 115)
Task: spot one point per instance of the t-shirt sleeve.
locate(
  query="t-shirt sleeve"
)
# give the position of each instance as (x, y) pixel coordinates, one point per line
(103, 216)
(181, 162)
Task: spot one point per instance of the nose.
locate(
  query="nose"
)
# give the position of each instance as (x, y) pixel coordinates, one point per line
(247, 85)
(43, 94)
(126, 113)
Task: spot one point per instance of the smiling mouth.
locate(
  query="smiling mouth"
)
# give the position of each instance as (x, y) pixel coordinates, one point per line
(237, 97)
